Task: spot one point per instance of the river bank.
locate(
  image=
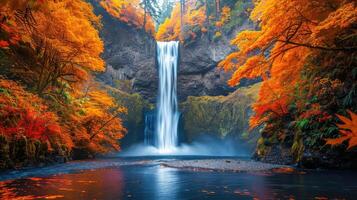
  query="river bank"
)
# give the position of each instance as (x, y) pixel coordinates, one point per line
(224, 165)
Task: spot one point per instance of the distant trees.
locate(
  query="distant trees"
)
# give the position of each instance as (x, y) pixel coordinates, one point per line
(137, 13)
(218, 8)
(203, 17)
(191, 21)
(152, 9)
(182, 14)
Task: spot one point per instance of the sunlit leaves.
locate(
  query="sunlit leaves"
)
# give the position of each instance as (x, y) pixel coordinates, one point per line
(193, 18)
(19, 116)
(291, 32)
(348, 131)
(129, 12)
(63, 48)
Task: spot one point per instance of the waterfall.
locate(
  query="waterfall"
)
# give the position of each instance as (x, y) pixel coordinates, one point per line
(167, 112)
(149, 129)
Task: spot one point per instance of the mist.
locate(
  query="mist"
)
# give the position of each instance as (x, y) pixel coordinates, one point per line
(202, 146)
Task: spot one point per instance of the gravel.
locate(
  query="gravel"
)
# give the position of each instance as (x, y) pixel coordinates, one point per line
(234, 165)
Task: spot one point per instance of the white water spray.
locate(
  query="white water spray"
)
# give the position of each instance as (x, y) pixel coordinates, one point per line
(168, 116)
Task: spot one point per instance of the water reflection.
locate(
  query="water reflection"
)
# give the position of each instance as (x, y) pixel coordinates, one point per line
(167, 183)
(154, 182)
(101, 184)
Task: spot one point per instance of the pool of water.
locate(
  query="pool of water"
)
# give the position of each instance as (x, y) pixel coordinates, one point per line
(145, 178)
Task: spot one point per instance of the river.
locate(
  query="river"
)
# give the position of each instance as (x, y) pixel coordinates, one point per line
(146, 178)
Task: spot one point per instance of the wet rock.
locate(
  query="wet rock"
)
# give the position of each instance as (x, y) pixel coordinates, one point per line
(276, 155)
(220, 116)
(81, 153)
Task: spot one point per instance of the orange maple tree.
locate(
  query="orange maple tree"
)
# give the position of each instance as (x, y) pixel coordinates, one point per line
(348, 131)
(291, 33)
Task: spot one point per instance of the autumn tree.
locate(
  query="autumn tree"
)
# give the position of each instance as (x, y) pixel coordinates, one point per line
(151, 9)
(193, 18)
(135, 13)
(297, 52)
(54, 48)
(218, 8)
(65, 46)
(182, 14)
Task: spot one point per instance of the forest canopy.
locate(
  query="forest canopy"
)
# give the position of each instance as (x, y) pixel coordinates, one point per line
(53, 50)
(305, 51)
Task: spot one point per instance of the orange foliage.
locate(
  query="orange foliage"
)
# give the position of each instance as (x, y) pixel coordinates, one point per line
(95, 119)
(129, 12)
(63, 35)
(68, 27)
(225, 16)
(348, 131)
(21, 117)
(291, 31)
(193, 17)
(64, 47)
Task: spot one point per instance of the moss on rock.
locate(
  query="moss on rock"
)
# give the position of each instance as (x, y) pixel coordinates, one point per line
(220, 116)
(134, 119)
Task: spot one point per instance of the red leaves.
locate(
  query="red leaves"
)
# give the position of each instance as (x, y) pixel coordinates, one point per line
(348, 131)
(4, 44)
(316, 112)
(27, 122)
(22, 113)
(11, 36)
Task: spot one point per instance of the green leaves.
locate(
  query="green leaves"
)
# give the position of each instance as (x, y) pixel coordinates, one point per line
(302, 124)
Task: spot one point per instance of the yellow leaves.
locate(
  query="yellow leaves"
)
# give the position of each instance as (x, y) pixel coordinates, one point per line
(129, 12)
(68, 26)
(246, 40)
(290, 32)
(101, 98)
(170, 29)
(232, 61)
(218, 34)
(192, 18)
(348, 131)
(254, 67)
(225, 16)
(98, 104)
(343, 17)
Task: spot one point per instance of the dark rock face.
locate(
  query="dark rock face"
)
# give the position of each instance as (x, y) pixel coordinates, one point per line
(198, 71)
(326, 158)
(130, 54)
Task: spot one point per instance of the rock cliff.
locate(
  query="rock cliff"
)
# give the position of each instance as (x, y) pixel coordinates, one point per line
(130, 56)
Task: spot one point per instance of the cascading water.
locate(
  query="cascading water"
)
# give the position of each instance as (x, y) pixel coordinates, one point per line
(167, 114)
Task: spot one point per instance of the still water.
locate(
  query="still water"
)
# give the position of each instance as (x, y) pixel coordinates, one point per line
(145, 178)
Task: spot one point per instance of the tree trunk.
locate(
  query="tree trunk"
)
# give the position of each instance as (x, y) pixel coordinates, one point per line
(182, 13)
(207, 20)
(218, 8)
(145, 15)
